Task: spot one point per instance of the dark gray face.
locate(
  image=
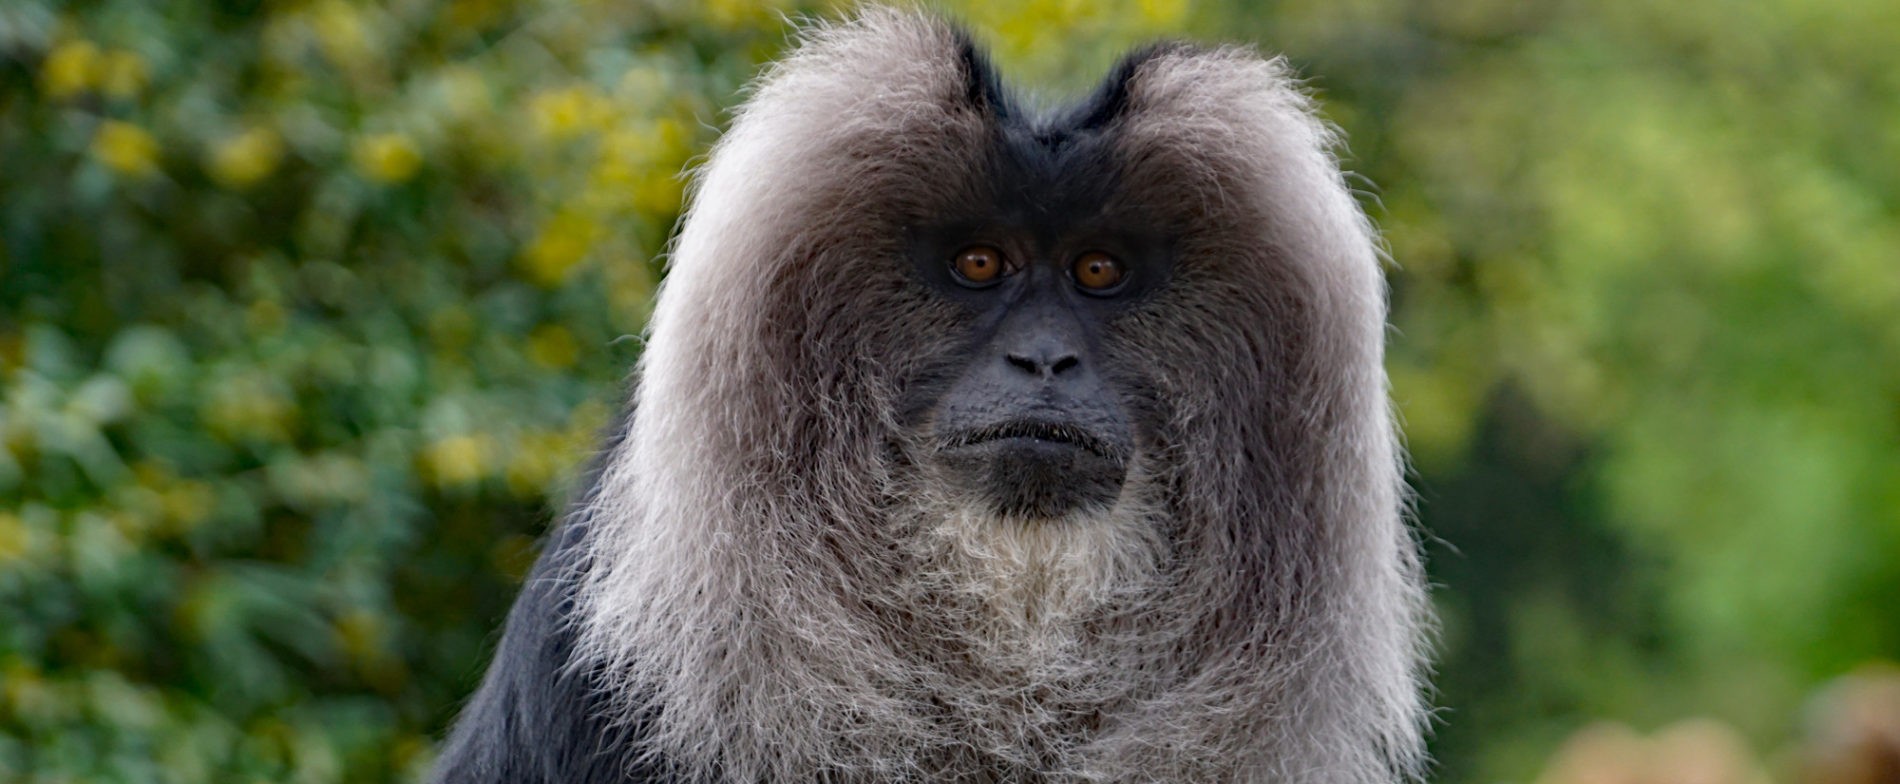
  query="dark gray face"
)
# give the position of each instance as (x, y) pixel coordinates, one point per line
(1033, 424)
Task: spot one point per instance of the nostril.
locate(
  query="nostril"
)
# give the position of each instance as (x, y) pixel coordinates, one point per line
(1038, 367)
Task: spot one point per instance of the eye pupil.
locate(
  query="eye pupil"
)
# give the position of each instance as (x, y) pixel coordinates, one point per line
(978, 264)
(1097, 271)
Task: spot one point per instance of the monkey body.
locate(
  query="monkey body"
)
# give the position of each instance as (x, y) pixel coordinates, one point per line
(975, 444)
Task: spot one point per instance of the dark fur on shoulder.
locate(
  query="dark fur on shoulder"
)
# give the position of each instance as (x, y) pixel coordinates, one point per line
(541, 717)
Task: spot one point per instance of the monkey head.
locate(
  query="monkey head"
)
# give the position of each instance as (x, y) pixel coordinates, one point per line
(974, 440)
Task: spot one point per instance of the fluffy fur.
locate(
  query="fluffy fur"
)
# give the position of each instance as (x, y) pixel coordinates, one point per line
(766, 584)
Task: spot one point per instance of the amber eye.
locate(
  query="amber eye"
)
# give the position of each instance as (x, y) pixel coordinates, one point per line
(979, 265)
(1097, 272)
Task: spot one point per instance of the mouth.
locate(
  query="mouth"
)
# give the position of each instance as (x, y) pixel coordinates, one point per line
(1036, 469)
(1031, 434)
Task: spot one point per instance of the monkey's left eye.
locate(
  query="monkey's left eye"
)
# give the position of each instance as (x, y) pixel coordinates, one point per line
(978, 265)
(1097, 272)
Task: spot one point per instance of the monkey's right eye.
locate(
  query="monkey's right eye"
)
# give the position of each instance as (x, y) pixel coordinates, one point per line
(978, 265)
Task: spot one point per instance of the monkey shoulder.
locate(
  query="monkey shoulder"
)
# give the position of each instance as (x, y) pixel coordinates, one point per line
(537, 718)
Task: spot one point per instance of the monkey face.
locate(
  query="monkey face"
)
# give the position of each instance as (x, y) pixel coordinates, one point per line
(1030, 426)
(1032, 421)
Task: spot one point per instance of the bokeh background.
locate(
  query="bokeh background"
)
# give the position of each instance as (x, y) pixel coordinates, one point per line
(309, 310)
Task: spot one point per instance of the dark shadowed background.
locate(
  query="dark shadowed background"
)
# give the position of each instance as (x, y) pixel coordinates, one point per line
(310, 309)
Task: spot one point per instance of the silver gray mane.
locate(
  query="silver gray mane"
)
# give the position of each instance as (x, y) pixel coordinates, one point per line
(784, 595)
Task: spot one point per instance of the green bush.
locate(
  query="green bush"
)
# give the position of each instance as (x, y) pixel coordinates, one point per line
(308, 311)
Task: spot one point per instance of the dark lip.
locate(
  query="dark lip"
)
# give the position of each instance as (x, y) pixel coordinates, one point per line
(1039, 431)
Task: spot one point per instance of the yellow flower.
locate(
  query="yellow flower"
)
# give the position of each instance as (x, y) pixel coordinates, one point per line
(538, 459)
(660, 193)
(341, 33)
(245, 158)
(674, 136)
(585, 423)
(732, 13)
(169, 504)
(566, 113)
(642, 168)
(387, 157)
(68, 70)
(362, 634)
(126, 148)
(457, 460)
(16, 540)
(1163, 12)
(623, 160)
(1439, 409)
(250, 407)
(563, 242)
(643, 86)
(122, 74)
(26, 692)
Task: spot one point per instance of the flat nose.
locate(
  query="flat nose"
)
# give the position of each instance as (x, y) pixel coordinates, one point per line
(1042, 341)
(1045, 359)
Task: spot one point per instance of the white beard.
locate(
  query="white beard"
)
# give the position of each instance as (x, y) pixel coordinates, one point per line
(1033, 583)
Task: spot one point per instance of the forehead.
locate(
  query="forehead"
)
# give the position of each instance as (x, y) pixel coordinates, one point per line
(1052, 169)
(1040, 180)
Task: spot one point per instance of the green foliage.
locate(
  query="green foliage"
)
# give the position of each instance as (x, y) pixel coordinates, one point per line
(309, 310)
(1646, 347)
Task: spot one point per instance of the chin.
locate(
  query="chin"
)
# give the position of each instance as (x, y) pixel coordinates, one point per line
(1040, 569)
